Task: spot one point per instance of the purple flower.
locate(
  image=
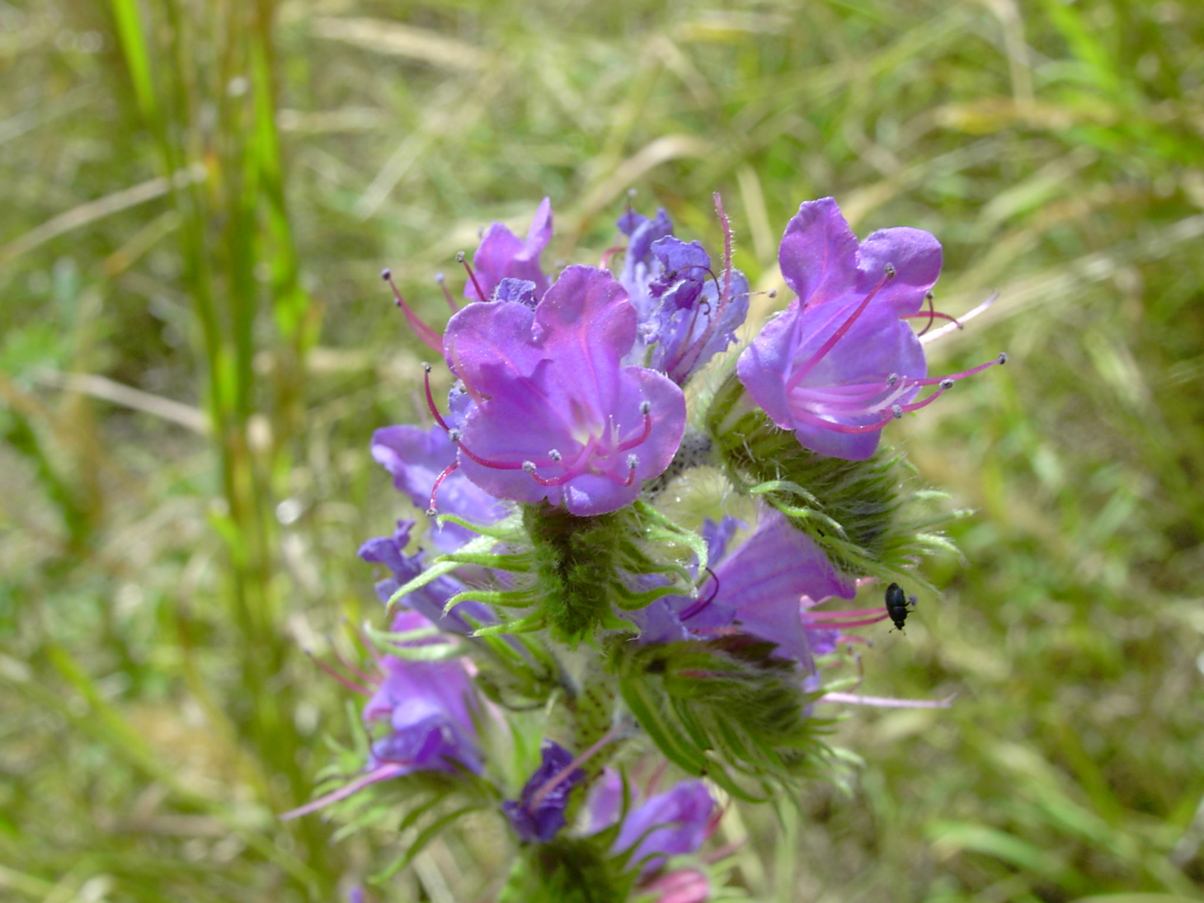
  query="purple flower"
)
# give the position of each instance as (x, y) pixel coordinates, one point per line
(538, 814)
(422, 715)
(428, 710)
(503, 255)
(640, 266)
(430, 599)
(765, 577)
(757, 587)
(674, 618)
(416, 458)
(841, 362)
(687, 313)
(552, 414)
(673, 823)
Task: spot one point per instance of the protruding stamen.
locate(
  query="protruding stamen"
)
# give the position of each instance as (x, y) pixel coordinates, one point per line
(344, 681)
(383, 773)
(355, 671)
(960, 322)
(442, 281)
(803, 371)
(455, 436)
(889, 270)
(430, 398)
(555, 455)
(461, 257)
(548, 481)
(932, 314)
(555, 780)
(424, 332)
(633, 461)
(646, 410)
(609, 253)
(699, 604)
(842, 620)
(431, 510)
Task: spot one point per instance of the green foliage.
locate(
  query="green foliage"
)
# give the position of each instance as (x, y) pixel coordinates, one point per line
(724, 702)
(567, 870)
(858, 512)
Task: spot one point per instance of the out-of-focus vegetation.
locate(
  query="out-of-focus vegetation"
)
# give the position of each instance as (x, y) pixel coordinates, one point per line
(195, 350)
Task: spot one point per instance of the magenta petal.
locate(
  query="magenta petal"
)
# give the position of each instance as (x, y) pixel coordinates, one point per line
(502, 255)
(765, 577)
(818, 254)
(547, 387)
(841, 361)
(915, 256)
(766, 363)
(669, 824)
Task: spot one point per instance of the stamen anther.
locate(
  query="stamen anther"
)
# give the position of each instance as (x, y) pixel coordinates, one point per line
(424, 332)
(462, 258)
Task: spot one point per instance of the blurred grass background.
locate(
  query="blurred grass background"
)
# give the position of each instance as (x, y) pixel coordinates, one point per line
(196, 348)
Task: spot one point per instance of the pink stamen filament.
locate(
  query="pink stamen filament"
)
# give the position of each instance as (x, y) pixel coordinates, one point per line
(960, 323)
(850, 398)
(572, 467)
(430, 398)
(877, 611)
(555, 780)
(382, 773)
(646, 410)
(841, 624)
(447, 295)
(424, 332)
(461, 258)
(609, 253)
(343, 680)
(443, 475)
(799, 375)
(355, 670)
(699, 604)
(931, 315)
(454, 435)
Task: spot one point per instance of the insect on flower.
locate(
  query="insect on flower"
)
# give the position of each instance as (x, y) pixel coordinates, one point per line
(898, 604)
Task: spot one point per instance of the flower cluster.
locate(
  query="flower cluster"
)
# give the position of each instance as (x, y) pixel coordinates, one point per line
(550, 580)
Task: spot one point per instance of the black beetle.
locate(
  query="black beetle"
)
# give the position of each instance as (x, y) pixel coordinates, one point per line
(898, 604)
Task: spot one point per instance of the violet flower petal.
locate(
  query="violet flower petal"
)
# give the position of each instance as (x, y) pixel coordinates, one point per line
(764, 578)
(503, 255)
(539, 821)
(669, 824)
(549, 381)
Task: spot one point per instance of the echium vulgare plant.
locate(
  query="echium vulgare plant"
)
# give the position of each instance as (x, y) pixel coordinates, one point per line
(554, 628)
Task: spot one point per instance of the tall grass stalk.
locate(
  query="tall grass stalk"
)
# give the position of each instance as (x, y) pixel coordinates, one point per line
(201, 76)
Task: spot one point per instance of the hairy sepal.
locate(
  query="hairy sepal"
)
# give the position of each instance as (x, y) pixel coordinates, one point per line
(724, 708)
